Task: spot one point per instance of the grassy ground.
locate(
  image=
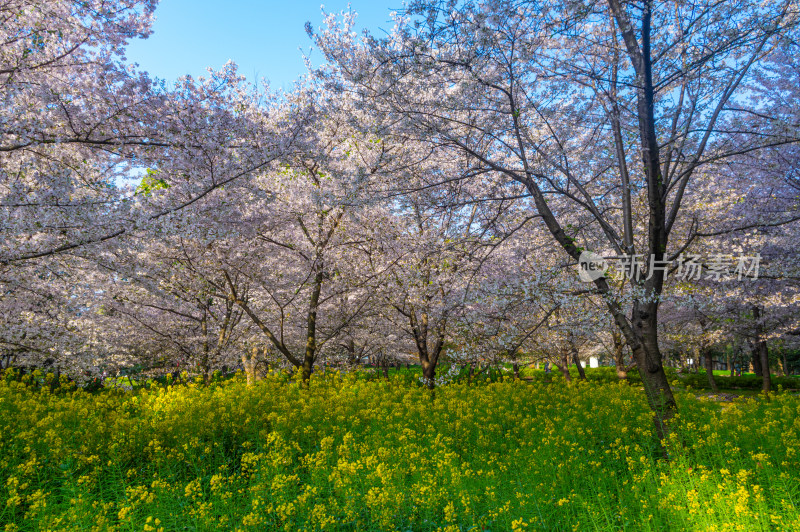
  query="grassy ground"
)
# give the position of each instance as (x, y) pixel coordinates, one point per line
(356, 454)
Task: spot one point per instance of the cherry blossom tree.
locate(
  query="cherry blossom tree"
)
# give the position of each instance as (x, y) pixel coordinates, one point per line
(300, 243)
(162, 292)
(603, 106)
(79, 126)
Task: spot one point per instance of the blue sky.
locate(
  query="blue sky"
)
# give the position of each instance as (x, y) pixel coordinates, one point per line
(263, 38)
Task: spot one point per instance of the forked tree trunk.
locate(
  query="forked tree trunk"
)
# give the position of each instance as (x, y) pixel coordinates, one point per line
(564, 367)
(428, 357)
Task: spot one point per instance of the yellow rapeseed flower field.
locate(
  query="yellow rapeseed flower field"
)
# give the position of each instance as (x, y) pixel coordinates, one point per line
(346, 453)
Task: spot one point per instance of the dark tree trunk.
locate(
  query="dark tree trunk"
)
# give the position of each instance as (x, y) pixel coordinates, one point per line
(564, 367)
(766, 378)
(573, 348)
(204, 365)
(428, 357)
(429, 374)
(756, 360)
(762, 351)
(56, 378)
(311, 326)
(651, 369)
(645, 314)
(709, 363)
(577, 361)
(516, 370)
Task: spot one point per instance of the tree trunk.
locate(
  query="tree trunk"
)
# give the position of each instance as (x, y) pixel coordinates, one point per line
(619, 355)
(573, 348)
(516, 370)
(428, 358)
(763, 352)
(756, 359)
(766, 378)
(204, 365)
(763, 355)
(429, 374)
(564, 367)
(709, 363)
(642, 335)
(577, 361)
(249, 364)
(56, 379)
(311, 330)
(306, 369)
(651, 369)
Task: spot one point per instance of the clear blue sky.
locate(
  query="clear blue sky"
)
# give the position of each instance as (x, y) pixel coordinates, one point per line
(264, 38)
